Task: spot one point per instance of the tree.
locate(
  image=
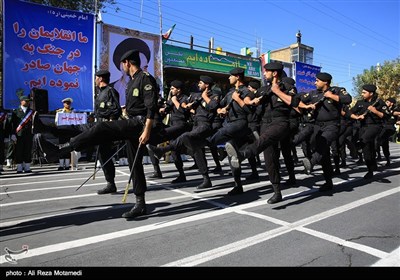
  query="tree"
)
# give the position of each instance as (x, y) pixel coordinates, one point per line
(86, 6)
(386, 77)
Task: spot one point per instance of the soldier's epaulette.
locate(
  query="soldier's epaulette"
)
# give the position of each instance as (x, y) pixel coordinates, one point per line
(59, 110)
(147, 73)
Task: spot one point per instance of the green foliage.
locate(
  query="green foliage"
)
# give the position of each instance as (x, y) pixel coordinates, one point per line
(386, 78)
(86, 6)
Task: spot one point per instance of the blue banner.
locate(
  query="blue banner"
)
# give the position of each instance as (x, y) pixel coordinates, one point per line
(48, 48)
(305, 76)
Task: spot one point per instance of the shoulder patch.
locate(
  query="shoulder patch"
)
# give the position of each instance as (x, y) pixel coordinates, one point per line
(343, 91)
(148, 87)
(146, 73)
(305, 95)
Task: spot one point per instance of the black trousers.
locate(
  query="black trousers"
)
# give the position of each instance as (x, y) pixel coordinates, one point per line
(321, 140)
(383, 139)
(237, 131)
(23, 148)
(367, 135)
(105, 149)
(270, 135)
(107, 132)
(194, 141)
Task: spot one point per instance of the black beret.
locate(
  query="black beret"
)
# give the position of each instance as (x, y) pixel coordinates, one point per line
(369, 88)
(392, 100)
(206, 79)
(254, 84)
(273, 66)
(101, 73)
(176, 84)
(237, 71)
(25, 97)
(288, 80)
(131, 55)
(128, 44)
(325, 77)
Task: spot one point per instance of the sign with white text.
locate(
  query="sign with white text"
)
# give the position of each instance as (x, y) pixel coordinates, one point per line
(71, 118)
(48, 48)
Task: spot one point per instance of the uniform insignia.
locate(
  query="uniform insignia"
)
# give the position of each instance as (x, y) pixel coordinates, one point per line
(135, 92)
(279, 100)
(203, 104)
(147, 73)
(384, 108)
(102, 105)
(343, 91)
(305, 95)
(148, 87)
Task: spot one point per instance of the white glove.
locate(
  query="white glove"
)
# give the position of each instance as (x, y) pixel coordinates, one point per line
(13, 138)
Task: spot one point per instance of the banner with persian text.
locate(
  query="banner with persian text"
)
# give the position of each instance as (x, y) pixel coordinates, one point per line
(305, 76)
(193, 59)
(48, 48)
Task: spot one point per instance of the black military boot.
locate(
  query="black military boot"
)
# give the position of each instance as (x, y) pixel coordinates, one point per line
(328, 186)
(360, 159)
(277, 197)
(110, 188)
(157, 172)
(291, 182)
(138, 210)
(387, 162)
(180, 179)
(206, 183)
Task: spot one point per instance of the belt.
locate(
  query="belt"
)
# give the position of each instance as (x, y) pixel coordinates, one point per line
(326, 123)
(140, 118)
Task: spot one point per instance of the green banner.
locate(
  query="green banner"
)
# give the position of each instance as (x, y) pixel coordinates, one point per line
(193, 59)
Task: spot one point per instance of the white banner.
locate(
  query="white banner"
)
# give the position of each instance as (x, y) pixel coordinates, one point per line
(71, 118)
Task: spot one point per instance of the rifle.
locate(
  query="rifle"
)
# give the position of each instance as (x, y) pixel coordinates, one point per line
(131, 175)
(373, 105)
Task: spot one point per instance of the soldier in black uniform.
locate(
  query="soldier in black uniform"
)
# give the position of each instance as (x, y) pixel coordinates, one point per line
(389, 128)
(370, 111)
(107, 109)
(288, 150)
(235, 128)
(21, 133)
(179, 124)
(203, 105)
(328, 102)
(274, 127)
(141, 106)
(254, 119)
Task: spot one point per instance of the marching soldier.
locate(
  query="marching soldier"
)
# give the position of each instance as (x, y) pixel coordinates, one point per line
(328, 102)
(107, 109)
(274, 127)
(370, 111)
(203, 105)
(389, 128)
(235, 128)
(141, 106)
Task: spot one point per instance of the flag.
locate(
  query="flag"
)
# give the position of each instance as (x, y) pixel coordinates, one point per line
(167, 34)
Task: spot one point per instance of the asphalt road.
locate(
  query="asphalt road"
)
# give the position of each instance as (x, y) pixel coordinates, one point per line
(45, 222)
